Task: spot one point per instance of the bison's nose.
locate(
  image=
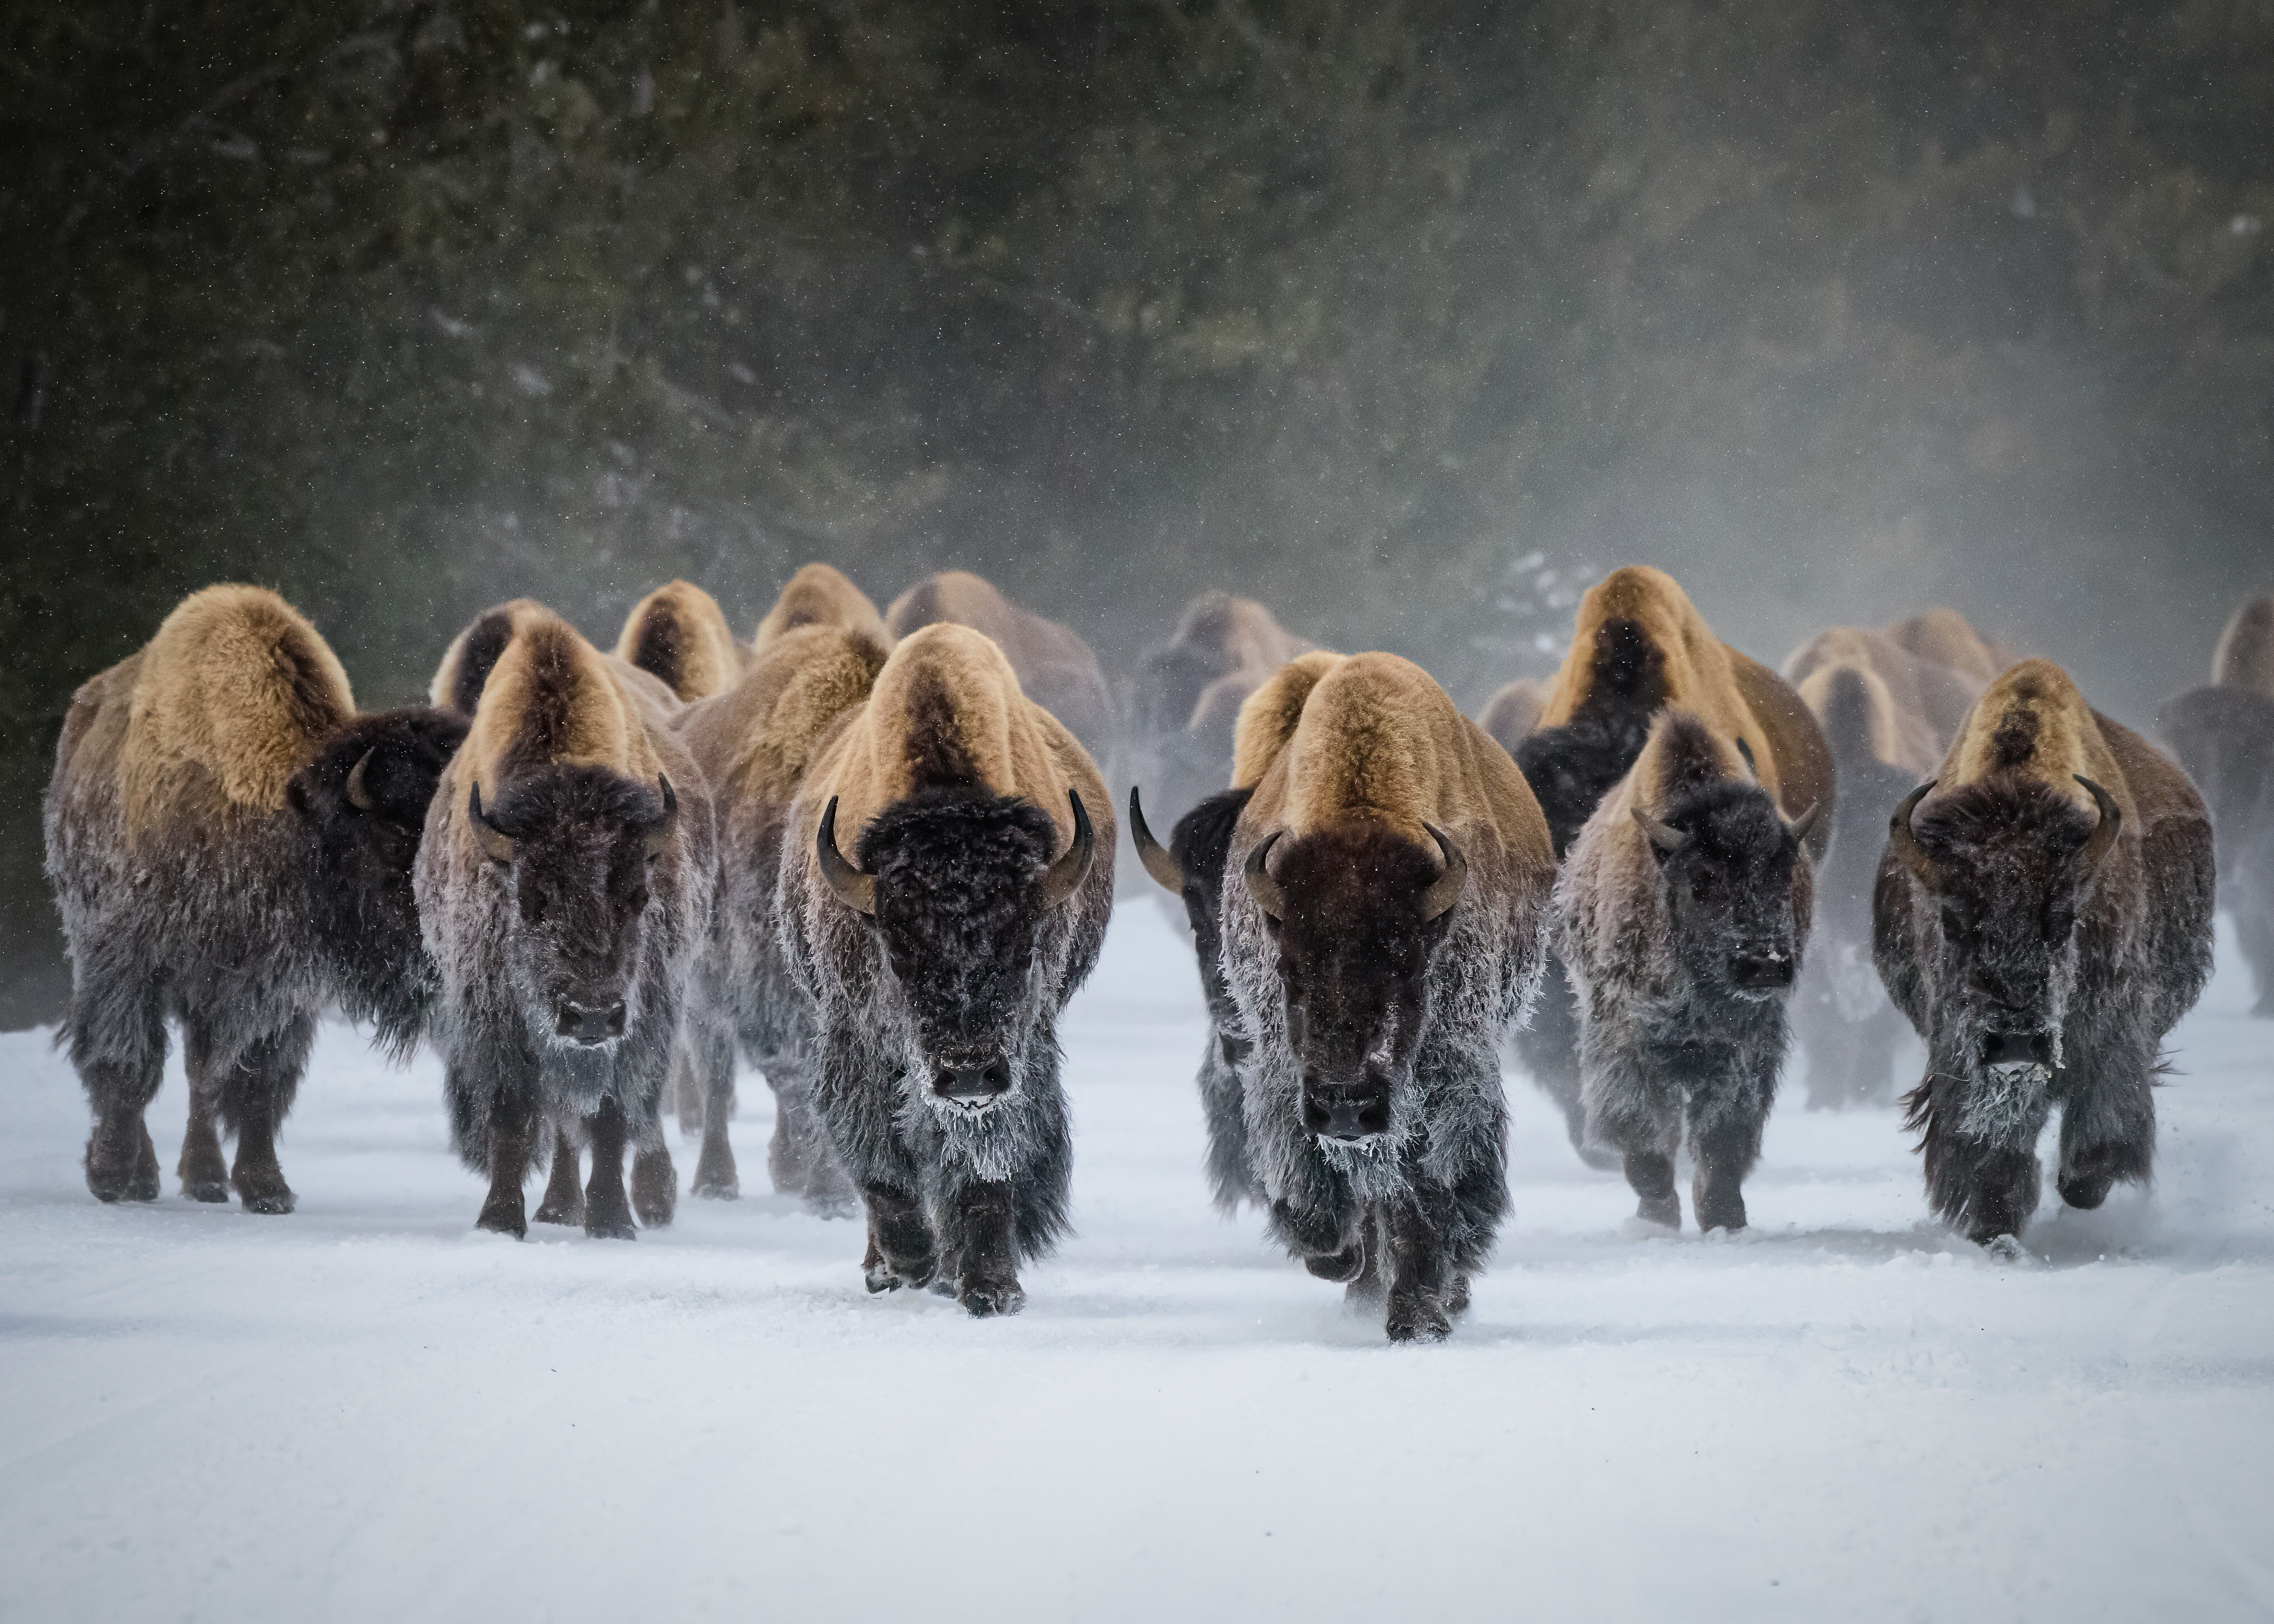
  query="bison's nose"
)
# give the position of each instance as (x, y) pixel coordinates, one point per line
(2017, 1049)
(1342, 1112)
(591, 1023)
(1761, 969)
(973, 1085)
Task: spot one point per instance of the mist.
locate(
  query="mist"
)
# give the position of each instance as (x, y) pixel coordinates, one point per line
(1405, 320)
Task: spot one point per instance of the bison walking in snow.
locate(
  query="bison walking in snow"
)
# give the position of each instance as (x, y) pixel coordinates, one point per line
(1192, 868)
(678, 635)
(230, 845)
(2042, 917)
(1684, 910)
(563, 883)
(1186, 694)
(1396, 875)
(1639, 647)
(940, 904)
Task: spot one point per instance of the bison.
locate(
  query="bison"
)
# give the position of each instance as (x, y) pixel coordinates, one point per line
(754, 744)
(818, 595)
(1683, 916)
(563, 885)
(2223, 734)
(937, 953)
(230, 846)
(1192, 869)
(1944, 637)
(1186, 695)
(1928, 700)
(2244, 658)
(678, 635)
(1396, 880)
(1513, 712)
(1056, 669)
(2043, 916)
(1639, 647)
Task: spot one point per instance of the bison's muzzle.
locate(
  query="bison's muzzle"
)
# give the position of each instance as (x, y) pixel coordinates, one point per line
(2017, 1055)
(1760, 970)
(972, 1087)
(591, 1025)
(1351, 1112)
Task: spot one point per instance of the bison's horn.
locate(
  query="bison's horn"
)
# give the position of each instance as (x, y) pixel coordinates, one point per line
(856, 890)
(1266, 890)
(358, 792)
(1164, 869)
(1798, 828)
(1905, 844)
(1445, 890)
(1065, 876)
(1664, 836)
(658, 838)
(2104, 832)
(1746, 750)
(496, 846)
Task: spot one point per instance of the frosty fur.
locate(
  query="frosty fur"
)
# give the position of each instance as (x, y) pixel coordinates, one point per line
(209, 867)
(574, 761)
(2021, 931)
(1673, 1048)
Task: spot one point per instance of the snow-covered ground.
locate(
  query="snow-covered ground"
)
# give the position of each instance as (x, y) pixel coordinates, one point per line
(368, 1411)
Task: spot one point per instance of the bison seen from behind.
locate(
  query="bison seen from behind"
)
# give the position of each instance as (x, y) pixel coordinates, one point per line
(2042, 917)
(1684, 912)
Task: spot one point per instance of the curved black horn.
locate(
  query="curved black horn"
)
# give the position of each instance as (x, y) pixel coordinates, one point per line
(1266, 890)
(1445, 890)
(658, 838)
(2104, 832)
(358, 792)
(856, 890)
(1798, 828)
(1065, 876)
(1664, 836)
(496, 846)
(1164, 869)
(1905, 844)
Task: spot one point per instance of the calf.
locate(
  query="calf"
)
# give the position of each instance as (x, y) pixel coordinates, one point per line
(230, 846)
(1396, 875)
(2043, 916)
(563, 885)
(1684, 911)
(937, 953)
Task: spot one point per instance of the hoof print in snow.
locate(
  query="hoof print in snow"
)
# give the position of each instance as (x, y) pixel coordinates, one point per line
(986, 1299)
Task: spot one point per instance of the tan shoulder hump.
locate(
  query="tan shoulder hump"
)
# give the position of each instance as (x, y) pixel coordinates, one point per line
(552, 700)
(819, 594)
(2245, 656)
(1267, 716)
(679, 634)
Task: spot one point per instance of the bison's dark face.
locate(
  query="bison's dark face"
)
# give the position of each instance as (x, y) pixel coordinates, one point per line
(2008, 866)
(1738, 890)
(959, 886)
(364, 799)
(577, 845)
(1357, 917)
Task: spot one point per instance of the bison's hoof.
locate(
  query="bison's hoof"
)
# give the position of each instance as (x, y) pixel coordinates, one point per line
(885, 1276)
(2086, 1191)
(713, 1186)
(1456, 1297)
(610, 1225)
(2007, 1248)
(1342, 1267)
(1418, 1322)
(503, 1217)
(983, 1299)
(264, 1192)
(1665, 1211)
(106, 1185)
(206, 1188)
(562, 1209)
(123, 1173)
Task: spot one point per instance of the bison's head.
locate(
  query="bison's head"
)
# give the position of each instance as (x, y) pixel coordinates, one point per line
(959, 886)
(576, 846)
(2007, 866)
(1356, 916)
(365, 799)
(1191, 867)
(1737, 893)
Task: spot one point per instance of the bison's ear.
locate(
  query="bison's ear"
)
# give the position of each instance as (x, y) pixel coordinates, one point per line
(496, 846)
(1665, 839)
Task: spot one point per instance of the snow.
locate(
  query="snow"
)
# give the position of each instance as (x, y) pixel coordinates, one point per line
(368, 1411)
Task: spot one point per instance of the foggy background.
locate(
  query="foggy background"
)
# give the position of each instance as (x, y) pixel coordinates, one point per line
(1407, 319)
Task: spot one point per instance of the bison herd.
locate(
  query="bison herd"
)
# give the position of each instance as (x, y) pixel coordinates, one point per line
(871, 855)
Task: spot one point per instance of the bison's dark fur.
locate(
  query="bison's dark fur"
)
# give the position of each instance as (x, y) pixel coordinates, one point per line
(2042, 948)
(2225, 738)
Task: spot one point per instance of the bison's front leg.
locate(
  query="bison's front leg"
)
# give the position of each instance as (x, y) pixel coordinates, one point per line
(704, 1062)
(564, 1188)
(607, 1210)
(117, 1029)
(1634, 1108)
(510, 1131)
(899, 1242)
(1421, 1276)
(2108, 1127)
(1729, 1104)
(255, 1093)
(981, 1243)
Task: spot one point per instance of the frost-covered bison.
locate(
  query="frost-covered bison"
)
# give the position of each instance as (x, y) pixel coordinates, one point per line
(2044, 918)
(1396, 879)
(1192, 868)
(563, 885)
(940, 904)
(678, 635)
(1186, 695)
(1639, 647)
(754, 744)
(1685, 911)
(230, 845)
